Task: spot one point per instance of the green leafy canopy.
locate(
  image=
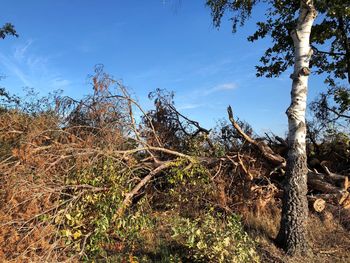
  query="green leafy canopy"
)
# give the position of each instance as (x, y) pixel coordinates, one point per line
(8, 29)
(329, 37)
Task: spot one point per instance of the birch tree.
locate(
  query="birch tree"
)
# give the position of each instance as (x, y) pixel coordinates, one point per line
(330, 41)
(292, 235)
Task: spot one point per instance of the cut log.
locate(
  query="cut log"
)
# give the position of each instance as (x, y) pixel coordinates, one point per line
(337, 199)
(317, 204)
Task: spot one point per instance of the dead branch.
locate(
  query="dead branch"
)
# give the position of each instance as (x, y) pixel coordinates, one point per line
(129, 196)
(246, 171)
(263, 147)
(282, 141)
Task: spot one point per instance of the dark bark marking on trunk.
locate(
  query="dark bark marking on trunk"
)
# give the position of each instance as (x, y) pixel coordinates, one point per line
(292, 234)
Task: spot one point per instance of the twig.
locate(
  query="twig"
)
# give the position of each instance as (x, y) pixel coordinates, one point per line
(246, 171)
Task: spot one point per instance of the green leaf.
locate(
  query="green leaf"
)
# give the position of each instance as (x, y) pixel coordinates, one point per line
(68, 216)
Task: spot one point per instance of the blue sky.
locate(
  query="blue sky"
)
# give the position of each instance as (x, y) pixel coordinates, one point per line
(151, 44)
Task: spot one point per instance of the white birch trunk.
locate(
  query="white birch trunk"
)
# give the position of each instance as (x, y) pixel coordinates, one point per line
(302, 52)
(292, 235)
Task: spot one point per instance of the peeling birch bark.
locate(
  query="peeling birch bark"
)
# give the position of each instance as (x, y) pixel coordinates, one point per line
(293, 235)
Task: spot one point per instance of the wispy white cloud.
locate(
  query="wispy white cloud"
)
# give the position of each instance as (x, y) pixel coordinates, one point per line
(20, 50)
(226, 86)
(15, 69)
(189, 106)
(197, 99)
(32, 69)
(221, 87)
(37, 63)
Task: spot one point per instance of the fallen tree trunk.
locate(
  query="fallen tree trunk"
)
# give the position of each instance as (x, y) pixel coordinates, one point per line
(337, 199)
(325, 183)
(317, 182)
(340, 180)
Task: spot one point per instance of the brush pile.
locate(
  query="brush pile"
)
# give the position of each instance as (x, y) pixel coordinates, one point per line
(101, 178)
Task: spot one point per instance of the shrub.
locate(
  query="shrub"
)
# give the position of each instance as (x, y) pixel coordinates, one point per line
(210, 239)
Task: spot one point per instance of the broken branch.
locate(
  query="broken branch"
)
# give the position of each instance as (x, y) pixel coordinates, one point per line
(267, 152)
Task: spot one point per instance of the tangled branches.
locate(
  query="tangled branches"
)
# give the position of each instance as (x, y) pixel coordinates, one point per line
(79, 176)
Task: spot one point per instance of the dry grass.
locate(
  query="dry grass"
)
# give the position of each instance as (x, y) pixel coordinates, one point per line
(329, 241)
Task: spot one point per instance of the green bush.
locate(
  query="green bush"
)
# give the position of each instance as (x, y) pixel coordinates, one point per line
(142, 234)
(91, 223)
(210, 239)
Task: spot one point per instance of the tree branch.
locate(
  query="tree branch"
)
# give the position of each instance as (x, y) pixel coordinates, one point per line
(263, 147)
(129, 196)
(316, 50)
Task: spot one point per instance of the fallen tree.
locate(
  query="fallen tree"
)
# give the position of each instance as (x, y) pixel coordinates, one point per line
(78, 176)
(329, 186)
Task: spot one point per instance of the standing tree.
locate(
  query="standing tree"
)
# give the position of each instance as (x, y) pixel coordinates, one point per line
(289, 24)
(292, 234)
(330, 41)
